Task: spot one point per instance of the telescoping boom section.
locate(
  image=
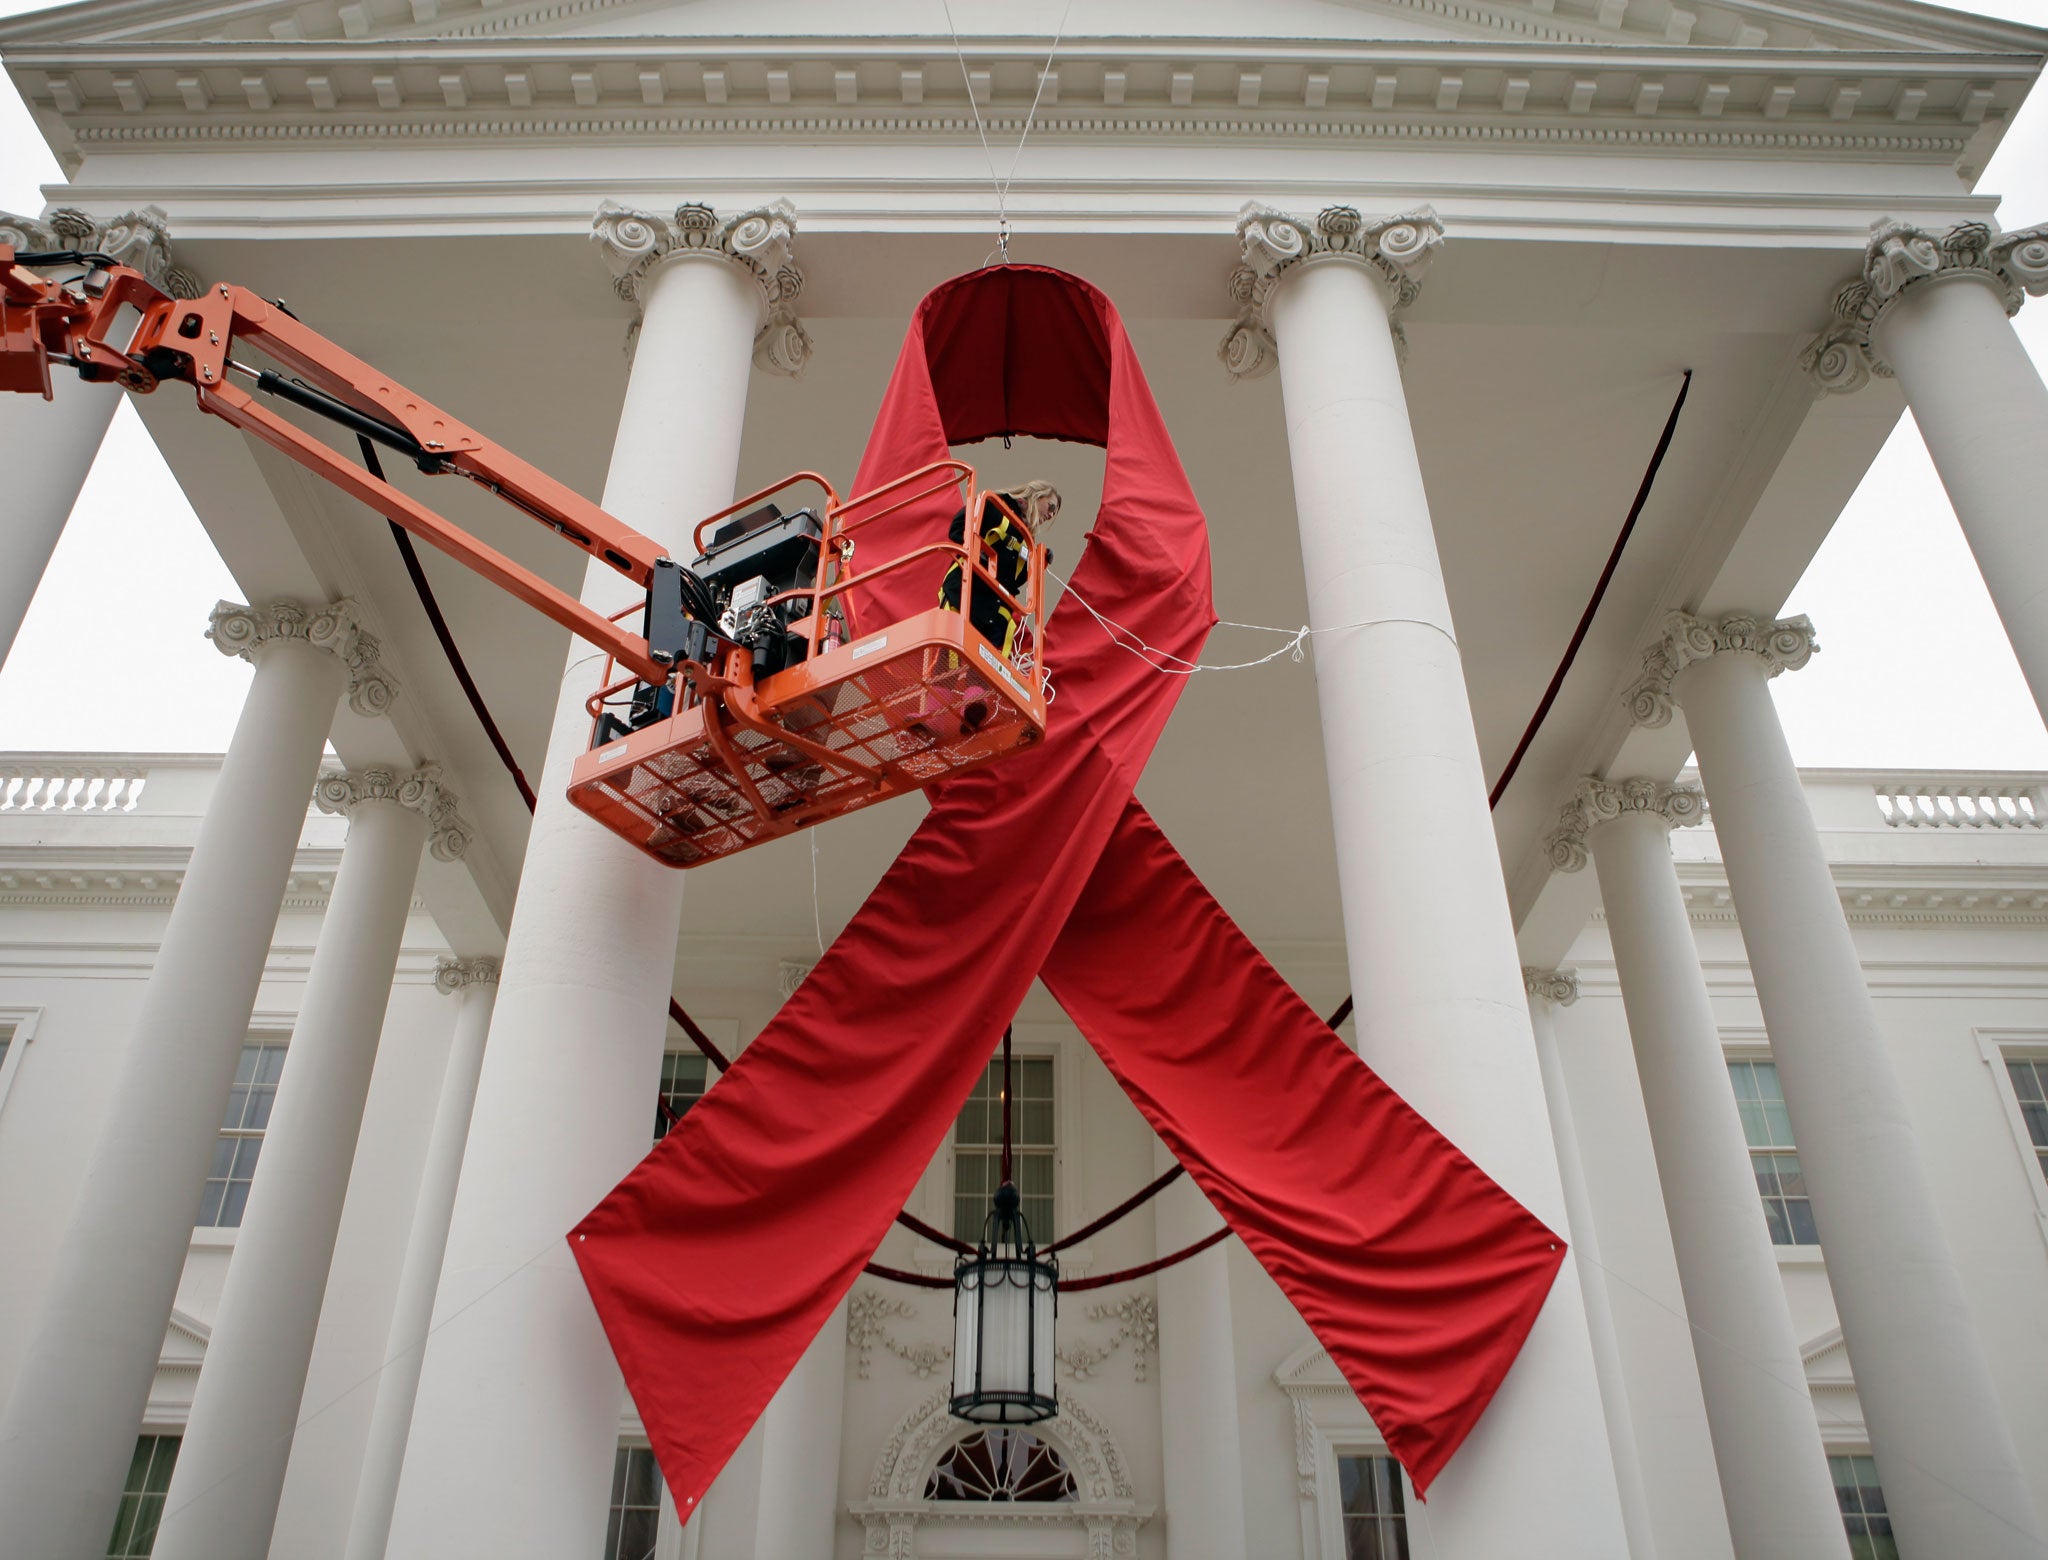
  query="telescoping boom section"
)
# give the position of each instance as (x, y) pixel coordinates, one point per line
(763, 691)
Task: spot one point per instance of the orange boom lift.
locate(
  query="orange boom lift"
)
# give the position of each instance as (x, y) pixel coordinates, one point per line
(754, 699)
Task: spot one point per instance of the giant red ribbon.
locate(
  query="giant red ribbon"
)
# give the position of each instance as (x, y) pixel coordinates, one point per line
(715, 1262)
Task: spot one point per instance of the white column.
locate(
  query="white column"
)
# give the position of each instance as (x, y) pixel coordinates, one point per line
(1934, 310)
(1426, 919)
(47, 447)
(1549, 990)
(412, 1312)
(797, 1507)
(1774, 1475)
(71, 1422)
(1944, 1451)
(223, 1498)
(519, 1396)
(1200, 1447)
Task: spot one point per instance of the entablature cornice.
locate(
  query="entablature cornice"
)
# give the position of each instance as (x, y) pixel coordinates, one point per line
(1745, 102)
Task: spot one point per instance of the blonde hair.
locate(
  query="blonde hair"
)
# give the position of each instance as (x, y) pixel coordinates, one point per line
(1039, 501)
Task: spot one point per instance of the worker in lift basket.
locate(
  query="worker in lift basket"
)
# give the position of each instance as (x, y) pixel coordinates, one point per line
(1010, 558)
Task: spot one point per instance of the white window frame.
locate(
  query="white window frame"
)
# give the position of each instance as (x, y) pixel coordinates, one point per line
(1994, 1046)
(1330, 1422)
(21, 1024)
(724, 1033)
(933, 1199)
(1754, 1045)
(268, 1028)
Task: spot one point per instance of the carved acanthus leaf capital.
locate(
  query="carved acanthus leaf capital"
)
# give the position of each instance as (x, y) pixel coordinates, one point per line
(761, 242)
(1783, 646)
(453, 975)
(1598, 801)
(1901, 256)
(1558, 986)
(241, 630)
(1397, 249)
(418, 790)
(140, 240)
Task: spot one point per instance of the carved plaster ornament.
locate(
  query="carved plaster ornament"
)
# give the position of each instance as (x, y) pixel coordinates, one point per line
(140, 240)
(761, 242)
(790, 974)
(1397, 249)
(867, 1323)
(1137, 1319)
(1560, 987)
(1783, 646)
(1598, 801)
(1901, 256)
(241, 630)
(419, 790)
(453, 975)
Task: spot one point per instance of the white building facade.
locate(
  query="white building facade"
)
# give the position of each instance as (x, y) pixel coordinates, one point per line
(1468, 268)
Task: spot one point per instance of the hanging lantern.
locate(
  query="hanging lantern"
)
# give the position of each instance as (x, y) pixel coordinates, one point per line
(1005, 1299)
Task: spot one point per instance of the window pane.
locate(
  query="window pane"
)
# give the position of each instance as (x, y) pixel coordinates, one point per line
(1375, 1518)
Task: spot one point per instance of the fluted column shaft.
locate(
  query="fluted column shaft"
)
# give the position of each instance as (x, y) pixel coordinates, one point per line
(1547, 991)
(1200, 1452)
(1775, 1484)
(1447, 1024)
(795, 1513)
(519, 1395)
(223, 1498)
(70, 1425)
(412, 1312)
(1951, 1474)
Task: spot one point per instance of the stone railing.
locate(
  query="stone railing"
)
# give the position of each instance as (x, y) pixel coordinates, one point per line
(69, 783)
(1960, 801)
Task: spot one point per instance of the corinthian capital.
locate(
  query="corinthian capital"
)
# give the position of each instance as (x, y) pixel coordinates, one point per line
(1783, 646)
(761, 242)
(1395, 249)
(239, 630)
(453, 975)
(1558, 986)
(140, 240)
(419, 790)
(1901, 256)
(1598, 801)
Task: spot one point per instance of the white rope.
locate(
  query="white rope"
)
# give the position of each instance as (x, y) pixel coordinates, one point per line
(1127, 639)
(817, 914)
(1002, 183)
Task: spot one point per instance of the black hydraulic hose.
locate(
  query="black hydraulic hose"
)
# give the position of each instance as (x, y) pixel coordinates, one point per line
(361, 424)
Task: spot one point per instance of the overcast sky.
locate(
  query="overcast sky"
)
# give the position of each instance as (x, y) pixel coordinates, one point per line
(1914, 671)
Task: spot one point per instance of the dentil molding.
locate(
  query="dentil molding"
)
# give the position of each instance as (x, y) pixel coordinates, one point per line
(140, 240)
(1901, 257)
(1558, 986)
(761, 242)
(419, 790)
(1598, 801)
(453, 975)
(1395, 249)
(1783, 646)
(241, 630)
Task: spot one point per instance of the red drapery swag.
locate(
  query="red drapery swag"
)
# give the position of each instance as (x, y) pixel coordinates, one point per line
(715, 1262)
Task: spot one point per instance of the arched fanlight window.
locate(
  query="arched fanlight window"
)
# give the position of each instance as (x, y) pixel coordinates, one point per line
(1001, 1464)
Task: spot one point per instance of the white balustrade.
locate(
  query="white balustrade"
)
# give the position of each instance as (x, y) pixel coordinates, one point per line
(1946, 802)
(68, 785)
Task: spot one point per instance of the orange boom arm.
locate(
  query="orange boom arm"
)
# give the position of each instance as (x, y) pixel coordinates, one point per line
(116, 326)
(758, 709)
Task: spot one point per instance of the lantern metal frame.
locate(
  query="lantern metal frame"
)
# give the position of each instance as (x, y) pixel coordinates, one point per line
(1007, 1258)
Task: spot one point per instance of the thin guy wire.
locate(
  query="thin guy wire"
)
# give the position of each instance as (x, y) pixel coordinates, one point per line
(1002, 183)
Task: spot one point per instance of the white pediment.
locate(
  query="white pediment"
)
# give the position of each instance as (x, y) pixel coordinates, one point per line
(1732, 24)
